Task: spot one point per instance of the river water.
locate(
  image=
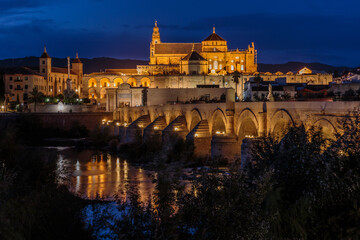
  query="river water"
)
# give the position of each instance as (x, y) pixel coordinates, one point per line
(93, 174)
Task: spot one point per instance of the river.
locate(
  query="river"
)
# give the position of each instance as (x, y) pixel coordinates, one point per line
(96, 174)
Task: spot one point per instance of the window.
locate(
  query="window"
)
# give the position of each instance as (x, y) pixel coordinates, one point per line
(242, 67)
(26, 86)
(220, 67)
(43, 70)
(26, 78)
(10, 86)
(232, 67)
(215, 65)
(210, 66)
(10, 78)
(18, 78)
(43, 62)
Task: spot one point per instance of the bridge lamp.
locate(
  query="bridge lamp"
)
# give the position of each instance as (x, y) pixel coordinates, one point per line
(156, 128)
(117, 124)
(196, 135)
(140, 125)
(217, 132)
(125, 124)
(176, 129)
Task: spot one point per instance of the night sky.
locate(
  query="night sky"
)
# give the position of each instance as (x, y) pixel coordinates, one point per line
(326, 31)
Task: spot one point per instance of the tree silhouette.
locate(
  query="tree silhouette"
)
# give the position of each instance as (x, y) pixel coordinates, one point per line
(35, 97)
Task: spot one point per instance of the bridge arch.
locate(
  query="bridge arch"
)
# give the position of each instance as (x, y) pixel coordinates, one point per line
(327, 128)
(280, 123)
(218, 122)
(195, 118)
(248, 125)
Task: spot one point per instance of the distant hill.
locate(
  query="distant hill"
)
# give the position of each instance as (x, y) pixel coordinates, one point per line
(102, 63)
(90, 64)
(296, 66)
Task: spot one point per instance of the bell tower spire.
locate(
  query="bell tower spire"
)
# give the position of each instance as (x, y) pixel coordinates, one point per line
(214, 28)
(155, 39)
(156, 34)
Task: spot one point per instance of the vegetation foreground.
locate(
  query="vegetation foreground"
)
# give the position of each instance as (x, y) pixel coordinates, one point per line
(302, 187)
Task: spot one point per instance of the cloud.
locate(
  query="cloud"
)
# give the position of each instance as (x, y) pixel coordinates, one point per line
(13, 5)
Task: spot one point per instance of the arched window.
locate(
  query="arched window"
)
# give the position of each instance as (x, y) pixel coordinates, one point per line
(216, 65)
(210, 66)
(232, 67)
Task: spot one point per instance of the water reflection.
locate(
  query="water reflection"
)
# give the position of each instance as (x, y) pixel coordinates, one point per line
(102, 175)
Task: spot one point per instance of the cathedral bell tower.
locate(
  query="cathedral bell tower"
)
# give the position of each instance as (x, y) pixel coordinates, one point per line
(155, 39)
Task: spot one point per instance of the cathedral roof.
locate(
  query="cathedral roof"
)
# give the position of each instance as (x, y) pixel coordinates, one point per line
(194, 56)
(214, 37)
(176, 48)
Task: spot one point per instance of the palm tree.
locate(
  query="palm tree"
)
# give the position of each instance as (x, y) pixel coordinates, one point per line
(236, 77)
(35, 97)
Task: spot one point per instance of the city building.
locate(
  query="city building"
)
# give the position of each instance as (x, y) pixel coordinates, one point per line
(172, 58)
(51, 81)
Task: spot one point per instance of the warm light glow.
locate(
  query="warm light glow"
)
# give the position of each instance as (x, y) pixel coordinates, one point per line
(156, 128)
(117, 124)
(196, 135)
(176, 129)
(140, 125)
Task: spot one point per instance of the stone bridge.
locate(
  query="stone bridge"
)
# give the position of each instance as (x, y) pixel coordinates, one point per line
(218, 129)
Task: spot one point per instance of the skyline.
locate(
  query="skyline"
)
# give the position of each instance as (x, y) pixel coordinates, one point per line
(321, 31)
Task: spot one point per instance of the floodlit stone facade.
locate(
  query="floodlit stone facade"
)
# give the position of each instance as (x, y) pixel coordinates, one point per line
(167, 58)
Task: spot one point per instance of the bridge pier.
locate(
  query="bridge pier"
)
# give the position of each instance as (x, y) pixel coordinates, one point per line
(225, 147)
(201, 139)
(174, 131)
(154, 130)
(135, 130)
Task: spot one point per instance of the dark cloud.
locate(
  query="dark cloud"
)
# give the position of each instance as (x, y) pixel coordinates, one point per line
(11, 5)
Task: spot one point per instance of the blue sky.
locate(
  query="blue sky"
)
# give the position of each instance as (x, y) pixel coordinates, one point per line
(307, 30)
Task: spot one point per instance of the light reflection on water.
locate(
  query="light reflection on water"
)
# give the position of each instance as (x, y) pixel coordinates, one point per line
(103, 175)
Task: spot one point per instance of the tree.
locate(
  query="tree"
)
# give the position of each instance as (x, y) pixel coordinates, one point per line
(35, 97)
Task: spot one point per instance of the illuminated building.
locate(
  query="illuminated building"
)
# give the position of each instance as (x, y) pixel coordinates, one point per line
(49, 80)
(173, 58)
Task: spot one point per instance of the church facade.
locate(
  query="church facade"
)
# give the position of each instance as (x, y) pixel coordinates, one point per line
(212, 57)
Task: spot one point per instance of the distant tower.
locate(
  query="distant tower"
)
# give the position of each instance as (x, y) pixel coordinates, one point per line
(155, 40)
(45, 64)
(68, 81)
(78, 68)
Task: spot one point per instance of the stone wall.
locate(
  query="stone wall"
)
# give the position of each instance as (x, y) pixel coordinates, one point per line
(158, 96)
(60, 120)
(63, 108)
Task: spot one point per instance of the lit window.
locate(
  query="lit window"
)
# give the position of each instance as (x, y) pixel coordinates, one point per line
(232, 67)
(210, 66)
(215, 65)
(242, 67)
(220, 67)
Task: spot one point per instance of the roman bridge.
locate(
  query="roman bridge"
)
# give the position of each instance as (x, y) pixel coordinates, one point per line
(218, 129)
